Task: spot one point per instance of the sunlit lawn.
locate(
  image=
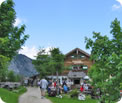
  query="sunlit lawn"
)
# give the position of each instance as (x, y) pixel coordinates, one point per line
(67, 99)
(10, 96)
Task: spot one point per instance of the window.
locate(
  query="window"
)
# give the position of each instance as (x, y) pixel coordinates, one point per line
(72, 56)
(80, 67)
(85, 67)
(82, 56)
(77, 67)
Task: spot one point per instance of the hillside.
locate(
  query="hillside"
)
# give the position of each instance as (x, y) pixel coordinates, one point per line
(22, 65)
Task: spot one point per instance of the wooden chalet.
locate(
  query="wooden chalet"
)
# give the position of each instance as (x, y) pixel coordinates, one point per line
(79, 63)
(78, 60)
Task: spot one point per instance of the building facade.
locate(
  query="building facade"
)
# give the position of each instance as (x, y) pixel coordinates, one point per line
(78, 63)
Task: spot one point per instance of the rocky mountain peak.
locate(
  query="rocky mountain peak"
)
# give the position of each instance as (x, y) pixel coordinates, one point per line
(23, 66)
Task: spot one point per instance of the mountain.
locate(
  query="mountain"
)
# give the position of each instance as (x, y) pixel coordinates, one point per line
(23, 66)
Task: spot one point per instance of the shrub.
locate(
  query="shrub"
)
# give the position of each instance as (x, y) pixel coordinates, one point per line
(12, 77)
(74, 93)
(121, 86)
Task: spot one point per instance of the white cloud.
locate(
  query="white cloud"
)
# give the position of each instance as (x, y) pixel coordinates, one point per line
(31, 52)
(18, 21)
(1, 1)
(117, 6)
(120, 1)
(47, 49)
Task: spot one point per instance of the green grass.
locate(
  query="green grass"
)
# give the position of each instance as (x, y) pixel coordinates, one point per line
(67, 99)
(11, 96)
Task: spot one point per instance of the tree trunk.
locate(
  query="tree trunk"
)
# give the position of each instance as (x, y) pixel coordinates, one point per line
(57, 86)
(52, 76)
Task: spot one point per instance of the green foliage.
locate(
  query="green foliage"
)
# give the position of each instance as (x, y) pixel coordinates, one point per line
(11, 37)
(41, 63)
(74, 93)
(20, 90)
(57, 59)
(10, 96)
(3, 67)
(17, 78)
(121, 86)
(106, 73)
(65, 99)
(47, 64)
(12, 77)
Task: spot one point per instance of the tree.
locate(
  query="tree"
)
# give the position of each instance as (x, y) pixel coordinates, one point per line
(58, 63)
(3, 68)
(48, 64)
(12, 77)
(106, 72)
(57, 59)
(42, 63)
(11, 37)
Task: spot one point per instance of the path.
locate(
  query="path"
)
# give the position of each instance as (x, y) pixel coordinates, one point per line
(33, 96)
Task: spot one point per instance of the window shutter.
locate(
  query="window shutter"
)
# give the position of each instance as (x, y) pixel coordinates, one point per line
(85, 67)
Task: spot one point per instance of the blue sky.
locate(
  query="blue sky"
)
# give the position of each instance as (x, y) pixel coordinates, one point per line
(65, 23)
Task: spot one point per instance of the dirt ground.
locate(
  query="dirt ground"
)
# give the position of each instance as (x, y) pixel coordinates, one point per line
(33, 95)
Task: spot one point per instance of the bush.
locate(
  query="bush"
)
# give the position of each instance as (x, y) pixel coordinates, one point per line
(74, 93)
(12, 77)
(121, 86)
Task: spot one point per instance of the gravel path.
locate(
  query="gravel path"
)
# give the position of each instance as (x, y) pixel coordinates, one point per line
(32, 96)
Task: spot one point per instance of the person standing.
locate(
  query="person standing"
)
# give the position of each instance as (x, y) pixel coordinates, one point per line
(65, 88)
(85, 87)
(43, 87)
(26, 82)
(55, 83)
(81, 88)
(38, 83)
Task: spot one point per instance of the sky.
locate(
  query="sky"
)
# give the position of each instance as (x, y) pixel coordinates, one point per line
(64, 23)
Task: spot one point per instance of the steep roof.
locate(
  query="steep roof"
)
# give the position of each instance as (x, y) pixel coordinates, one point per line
(83, 52)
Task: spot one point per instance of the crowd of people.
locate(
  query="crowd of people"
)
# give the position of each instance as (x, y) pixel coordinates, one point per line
(54, 87)
(85, 87)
